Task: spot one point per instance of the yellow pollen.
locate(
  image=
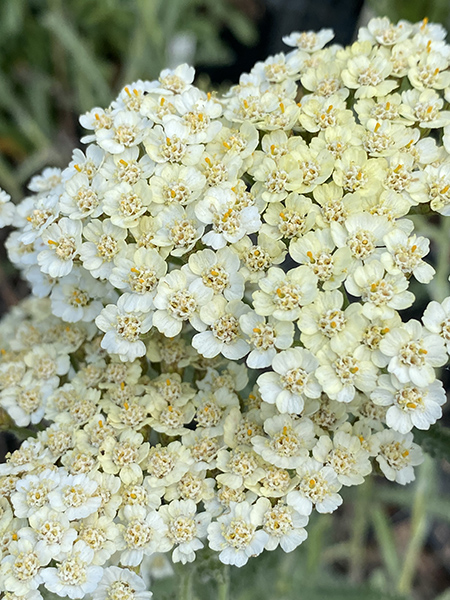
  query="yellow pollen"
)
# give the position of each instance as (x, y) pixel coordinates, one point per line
(282, 107)
(361, 438)
(410, 143)
(388, 105)
(249, 432)
(162, 101)
(126, 405)
(134, 270)
(133, 495)
(15, 537)
(312, 484)
(428, 46)
(413, 248)
(167, 381)
(77, 167)
(377, 127)
(208, 160)
(251, 396)
(77, 300)
(97, 116)
(429, 109)
(424, 23)
(330, 108)
(285, 430)
(257, 330)
(436, 71)
(299, 104)
(309, 254)
(28, 218)
(214, 273)
(173, 193)
(208, 95)
(398, 168)
(283, 216)
(227, 214)
(333, 324)
(280, 293)
(359, 175)
(122, 385)
(135, 92)
(373, 287)
(127, 91)
(354, 370)
(423, 351)
(445, 189)
(3, 351)
(411, 405)
(405, 453)
(384, 331)
(245, 103)
(227, 145)
(52, 242)
(272, 149)
(200, 116)
(123, 162)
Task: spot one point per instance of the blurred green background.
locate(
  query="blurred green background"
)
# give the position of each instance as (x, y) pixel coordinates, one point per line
(59, 58)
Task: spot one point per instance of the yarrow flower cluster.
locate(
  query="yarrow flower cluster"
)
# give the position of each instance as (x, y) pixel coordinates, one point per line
(215, 345)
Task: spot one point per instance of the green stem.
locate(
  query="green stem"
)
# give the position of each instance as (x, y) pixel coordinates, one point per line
(223, 583)
(419, 524)
(386, 541)
(186, 575)
(360, 525)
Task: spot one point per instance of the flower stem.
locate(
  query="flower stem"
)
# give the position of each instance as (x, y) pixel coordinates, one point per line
(223, 583)
(186, 576)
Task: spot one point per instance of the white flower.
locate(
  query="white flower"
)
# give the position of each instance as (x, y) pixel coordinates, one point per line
(121, 584)
(7, 209)
(54, 532)
(285, 526)
(123, 327)
(75, 496)
(78, 297)
(32, 491)
(104, 242)
(405, 254)
(185, 528)
(287, 443)
(125, 203)
(219, 271)
(127, 129)
(64, 241)
(83, 198)
(177, 301)
(436, 319)
(235, 533)
(346, 455)
(398, 455)
(229, 223)
(143, 532)
(74, 576)
(25, 403)
(413, 353)
(291, 380)
(20, 570)
(409, 405)
(265, 338)
(318, 487)
(224, 336)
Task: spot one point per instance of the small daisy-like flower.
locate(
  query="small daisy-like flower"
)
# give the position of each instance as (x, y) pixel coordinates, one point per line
(285, 526)
(64, 241)
(345, 455)
(288, 441)
(235, 534)
(409, 405)
(121, 584)
(123, 326)
(104, 242)
(177, 301)
(74, 576)
(7, 209)
(185, 528)
(436, 319)
(265, 338)
(398, 455)
(75, 497)
(292, 379)
(318, 487)
(413, 353)
(224, 335)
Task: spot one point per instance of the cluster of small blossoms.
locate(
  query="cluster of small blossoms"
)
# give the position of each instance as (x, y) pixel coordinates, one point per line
(216, 345)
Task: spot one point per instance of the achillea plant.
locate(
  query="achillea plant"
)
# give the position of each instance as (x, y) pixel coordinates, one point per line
(216, 346)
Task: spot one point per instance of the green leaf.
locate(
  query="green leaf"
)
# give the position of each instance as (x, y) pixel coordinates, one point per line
(435, 441)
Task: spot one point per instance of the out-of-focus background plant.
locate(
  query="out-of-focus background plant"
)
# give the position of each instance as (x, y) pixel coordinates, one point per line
(59, 58)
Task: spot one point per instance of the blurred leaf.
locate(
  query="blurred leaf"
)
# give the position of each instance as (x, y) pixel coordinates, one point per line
(81, 55)
(435, 441)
